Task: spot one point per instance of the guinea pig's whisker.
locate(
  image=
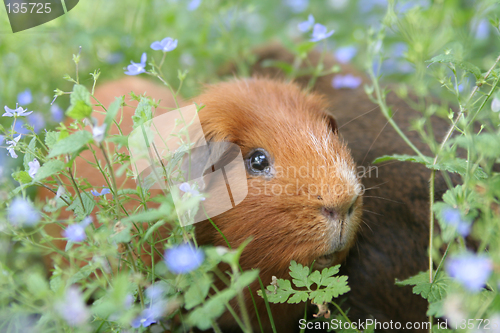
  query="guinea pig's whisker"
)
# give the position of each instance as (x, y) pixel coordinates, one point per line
(350, 121)
(376, 197)
(367, 225)
(378, 135)
(369, 211)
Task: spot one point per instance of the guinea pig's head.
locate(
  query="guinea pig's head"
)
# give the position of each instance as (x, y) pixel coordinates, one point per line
(304, 197)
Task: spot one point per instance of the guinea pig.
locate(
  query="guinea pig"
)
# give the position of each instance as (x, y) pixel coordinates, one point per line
(304, 196)
(393, 239)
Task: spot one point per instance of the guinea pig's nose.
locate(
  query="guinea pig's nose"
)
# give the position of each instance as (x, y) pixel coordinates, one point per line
(329, 213)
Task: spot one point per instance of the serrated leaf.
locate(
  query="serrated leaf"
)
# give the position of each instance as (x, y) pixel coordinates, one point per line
(298, 297)
(79, 110)
(299, 274)
(315, 277)
(327, 275)
(246, 278)
(143, 112)
(83, 273)
(51, 138)
(48, 169)
(88, 203)
(71, 144)
(335, 289)
(280, 294)
(433, 292)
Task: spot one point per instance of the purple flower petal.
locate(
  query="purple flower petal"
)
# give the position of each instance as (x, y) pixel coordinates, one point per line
(75, 233)
(470, 269)
(183, 258)
(22, 213)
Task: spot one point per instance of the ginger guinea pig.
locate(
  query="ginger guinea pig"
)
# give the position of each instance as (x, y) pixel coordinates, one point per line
(304, 197)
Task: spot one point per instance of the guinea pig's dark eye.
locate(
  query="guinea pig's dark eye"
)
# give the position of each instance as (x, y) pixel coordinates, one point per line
(258, 162)
(351, 209)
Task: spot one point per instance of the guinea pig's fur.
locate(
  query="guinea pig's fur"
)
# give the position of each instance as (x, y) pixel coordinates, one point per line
(307, 208)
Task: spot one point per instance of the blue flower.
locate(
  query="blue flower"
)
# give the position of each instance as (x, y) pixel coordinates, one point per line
(306, 25)
(145, 319)
(12, 144)
(453, 217)
(193, 5)
(104, 191)
(33, 167)
(183, 258)
(297, 6)
(137, 68)
(76, 232)
(347, 81)
(37, 121)
(22, 213)
(17, 112)
(320, 32)
(24, 98)
(156, 291)
(98, 133)
(482, 30)
(19, 127)
(470, 269)
(57, 113)
(73, 308)
(345, 54)
(166, 45)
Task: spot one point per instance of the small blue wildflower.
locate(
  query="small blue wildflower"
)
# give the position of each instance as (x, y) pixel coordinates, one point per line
(137, 68)
(166, 45)
(185, 187)
(156, 291)
(37, 121)
(22, 213)
(24, 98)
(193, 5)
(76, 232)
(57, 113)
(33, 167)
(495, 104)
(297, 6)
(145, 319)
(12, 144)
(453, 217)
(470, 269)
(320, 32)
(482, 30)
(306, 25)
(104, 191)
(183, 258)
(17, 112)
(73, 308)
(345, 54)
(347, 81)
(98, 132)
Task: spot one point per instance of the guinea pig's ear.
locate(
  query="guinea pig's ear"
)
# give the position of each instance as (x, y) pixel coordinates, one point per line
(332, 123)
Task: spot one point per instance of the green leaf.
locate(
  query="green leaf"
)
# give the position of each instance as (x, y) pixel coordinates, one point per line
(22, 177)
(485, 144)
(336, 288)
(433, 292)
(48, 169)
(465, 65)
(37, 285)
(299, 274)
(245, 279)
(197, 292)
(143, 112)
(456, 165)
(76, 205)
(280, 294)
(112, 111)
(71, 144)
(298, 297)
(203, 316)
(83, 273)
(51, 138)
(80, 106)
